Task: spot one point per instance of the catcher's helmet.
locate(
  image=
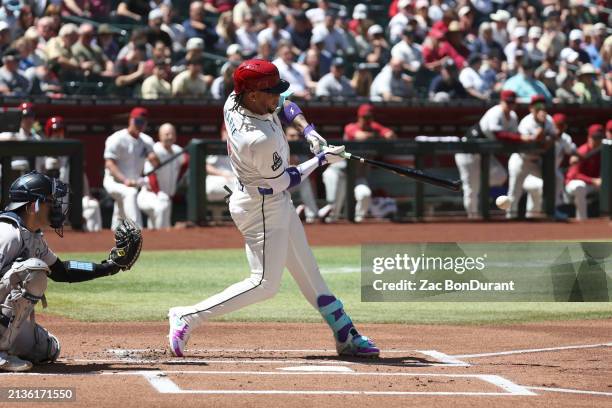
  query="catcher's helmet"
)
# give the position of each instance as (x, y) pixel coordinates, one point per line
(35, 186)
(54, 123)
(258, 75)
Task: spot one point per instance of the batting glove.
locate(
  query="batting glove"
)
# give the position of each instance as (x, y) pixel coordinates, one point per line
(331, 154)
(314, 139)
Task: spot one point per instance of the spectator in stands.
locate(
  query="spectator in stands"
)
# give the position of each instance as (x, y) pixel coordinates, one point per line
(532, 51)
(392, 84)
(107, 42)
(234, 54)
(584, 177)
(519, 37)
(455, 39)
(436, 51)
(196, 27)
(160, 51)
(553, 39)
(335, 84)
(362, 80)
(155, 32)
(133, 11)
(591, 45)
(300, 31)
(155, 196)
(324, 58)
(564, 92)
(59, 52)
(156, 86)
(289, 71)
(378, 48)
(525, 85)
(408, 51)
(446, 86)
(246, 36)
(44, 27)
(28, 61)
(400, 20)
(421, 16)
(190, 83)
(576, 38)
(334, 42)
(586, 87)
(472, 81)
(12, 83)
(219, 6)
(53, 11)
(252, 8)
(176, 31)
(5, 37)
(491, 73)
(500, 30)
(485, 44)
(274, 34)
(536, 127)
(311, 70)
(85, 50)
(96, 10)
(125, 152)
(25, 21)
(226, 30)
(132, 70)
(317, 15)
(360, 23)
(47, 82)
(223, 85)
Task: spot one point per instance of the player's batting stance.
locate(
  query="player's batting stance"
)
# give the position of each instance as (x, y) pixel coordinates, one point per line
(26, 262)
(262, 209)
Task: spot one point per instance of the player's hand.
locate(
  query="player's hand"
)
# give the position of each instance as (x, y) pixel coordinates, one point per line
(331, 154)
(130, 182)
(142, 181)
(596, 181)
(315, 140)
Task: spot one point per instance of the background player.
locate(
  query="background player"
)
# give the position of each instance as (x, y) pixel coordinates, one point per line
(155, 197)
(263, 211)
(26, 262)
(125, 152)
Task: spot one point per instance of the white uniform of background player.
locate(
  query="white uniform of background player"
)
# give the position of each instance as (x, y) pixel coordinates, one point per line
(495, 123)
(262, 209)
(157, 205)
(125, 155)
(533, 185)
(218, 175)
(520, 165)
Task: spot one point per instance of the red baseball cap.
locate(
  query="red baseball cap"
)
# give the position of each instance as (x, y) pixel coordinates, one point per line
(435, 33)
(258, 75)
(139, 112)
(609, 125)
(508, 95)
(54, 123)
(365, 110)
(537, 99)
(595, 128)
(559, 119)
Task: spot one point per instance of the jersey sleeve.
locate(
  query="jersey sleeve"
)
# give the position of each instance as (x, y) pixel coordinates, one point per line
(265, 157)
(111, 148)
(46, 254)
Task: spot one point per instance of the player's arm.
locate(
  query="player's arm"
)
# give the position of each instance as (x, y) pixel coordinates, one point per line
(111, 165)
(291, 114)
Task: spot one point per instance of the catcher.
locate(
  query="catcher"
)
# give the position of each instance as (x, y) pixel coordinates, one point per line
(26, 262)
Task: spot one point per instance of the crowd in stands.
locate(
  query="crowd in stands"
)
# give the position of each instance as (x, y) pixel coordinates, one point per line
(383, 51)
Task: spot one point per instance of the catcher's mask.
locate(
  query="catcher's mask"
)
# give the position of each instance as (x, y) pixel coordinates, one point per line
(35, 187)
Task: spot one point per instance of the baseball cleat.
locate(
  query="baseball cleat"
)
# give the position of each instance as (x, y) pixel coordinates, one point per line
(12, 363)
(357, 345)
(179, 332)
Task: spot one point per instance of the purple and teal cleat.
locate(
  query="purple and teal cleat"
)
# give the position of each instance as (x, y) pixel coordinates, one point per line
(357, 345)
(179, 332)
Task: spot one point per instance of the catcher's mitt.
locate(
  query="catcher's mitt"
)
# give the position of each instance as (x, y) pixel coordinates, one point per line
(128, 243)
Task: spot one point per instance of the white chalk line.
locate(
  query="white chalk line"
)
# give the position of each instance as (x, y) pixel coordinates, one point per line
(444, 358)
(571, 391)
(120, 351)
(539, 350)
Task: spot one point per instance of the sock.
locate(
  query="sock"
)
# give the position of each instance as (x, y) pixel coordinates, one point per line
(342, 334)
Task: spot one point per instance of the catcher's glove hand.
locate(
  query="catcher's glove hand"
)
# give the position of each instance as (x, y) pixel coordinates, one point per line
(128, 243)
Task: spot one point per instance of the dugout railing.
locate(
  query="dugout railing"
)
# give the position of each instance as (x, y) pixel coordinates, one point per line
(73, 149)
(197, 205)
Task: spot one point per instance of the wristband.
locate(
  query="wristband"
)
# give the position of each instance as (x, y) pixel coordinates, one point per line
(308, 129)
(289, 112)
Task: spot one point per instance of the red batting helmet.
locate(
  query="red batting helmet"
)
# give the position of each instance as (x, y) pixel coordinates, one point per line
(258, 75)
(54, 123)
(27, 109)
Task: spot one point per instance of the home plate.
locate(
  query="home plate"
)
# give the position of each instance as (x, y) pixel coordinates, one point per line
(318, 368)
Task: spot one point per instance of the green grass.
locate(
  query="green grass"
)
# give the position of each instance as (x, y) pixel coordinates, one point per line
(162, 279)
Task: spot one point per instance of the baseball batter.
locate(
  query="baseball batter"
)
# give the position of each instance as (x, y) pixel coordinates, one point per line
(155, 197)
(26, 262)
(262, 210)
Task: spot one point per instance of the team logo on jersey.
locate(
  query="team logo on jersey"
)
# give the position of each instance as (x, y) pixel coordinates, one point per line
(277, 162)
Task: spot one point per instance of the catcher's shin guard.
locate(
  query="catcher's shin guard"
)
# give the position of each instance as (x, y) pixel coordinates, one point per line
(348, 341)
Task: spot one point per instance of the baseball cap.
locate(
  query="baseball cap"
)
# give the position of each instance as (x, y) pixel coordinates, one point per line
(519, 31)
(422, 4)
(535, 32)
(434, 33)
(139, 112)
(360, 12)
(4, 25)
(259, 75)
(454, 27)
(576, 35)
(403, 4)
(508, 95)
(11, 54)
(155, 14)
(559, 119)
(105, 29)
(474, 59)
(587, 69)
(595, 128)
(234, 49)
(338, 62)
(375, 29)
(195, 43)
(365, 109)
(535, 99)
(500, 15)
(464, 10)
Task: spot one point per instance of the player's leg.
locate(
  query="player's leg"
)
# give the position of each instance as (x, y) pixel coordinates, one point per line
(126, 199)
(34, 343)
(304, 269)
(578, 190)
(516, 176)
(363, 198)
(533, 186)
(147, 203)
(263, 223)
(92, 214)
(469, 171)
(497, 173)
(334, 179)
(310, 204)
(215, 190)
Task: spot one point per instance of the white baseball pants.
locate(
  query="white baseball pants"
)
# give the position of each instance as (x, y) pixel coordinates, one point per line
(274, 239)
(92, 215)
(519, 168)
(468, 165)
(126, 205)
(334, 178)
(157, 206)
(579, 190)
(534, 186)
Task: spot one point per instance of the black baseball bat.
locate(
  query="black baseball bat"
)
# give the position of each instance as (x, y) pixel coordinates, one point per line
(165, 162)
(414, 174)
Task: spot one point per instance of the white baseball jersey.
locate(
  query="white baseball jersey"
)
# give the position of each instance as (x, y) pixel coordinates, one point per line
(219, 161)
(494, 120)
(564, 146)
(129, 153)
(529, 126)
(18, 242)
(257, 145)
(167, 176)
